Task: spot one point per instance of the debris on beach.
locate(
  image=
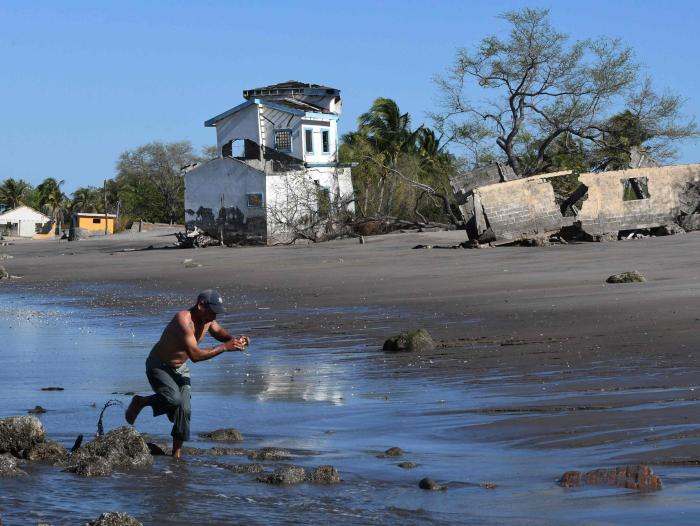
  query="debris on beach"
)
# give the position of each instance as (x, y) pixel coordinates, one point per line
(120, 448)
(224, 435)
(109, 403)
(195, 239)
(488, 485)
(112, 518)
(429, 484)
(190, 263)
(410, 341)
(636, 476)
(627, 277)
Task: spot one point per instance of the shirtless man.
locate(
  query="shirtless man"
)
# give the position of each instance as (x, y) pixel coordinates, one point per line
(166, 366)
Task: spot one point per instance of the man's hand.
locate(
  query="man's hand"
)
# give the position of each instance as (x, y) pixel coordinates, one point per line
(236, 344)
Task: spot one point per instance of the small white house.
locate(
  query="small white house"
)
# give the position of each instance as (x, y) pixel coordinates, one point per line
(23, 221)
(277, 174)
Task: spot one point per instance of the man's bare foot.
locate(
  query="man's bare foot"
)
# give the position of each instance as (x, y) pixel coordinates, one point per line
(177, 448)
(137, 403)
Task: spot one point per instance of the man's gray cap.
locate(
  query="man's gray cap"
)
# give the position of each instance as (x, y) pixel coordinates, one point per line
(213, 300)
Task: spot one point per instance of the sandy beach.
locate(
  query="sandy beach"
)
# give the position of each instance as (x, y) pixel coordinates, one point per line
(601, 374)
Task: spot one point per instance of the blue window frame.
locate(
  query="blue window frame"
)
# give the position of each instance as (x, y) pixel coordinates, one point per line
(326, 141)
(283, 140)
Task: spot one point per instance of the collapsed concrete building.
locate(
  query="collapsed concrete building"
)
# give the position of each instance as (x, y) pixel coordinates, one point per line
(499, 207)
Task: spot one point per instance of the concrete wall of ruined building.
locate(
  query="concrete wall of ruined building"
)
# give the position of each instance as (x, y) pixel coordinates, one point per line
(524, 207)
(240, 125)
(605, 210)
(272, 119)
(527, 207)
(229, 180)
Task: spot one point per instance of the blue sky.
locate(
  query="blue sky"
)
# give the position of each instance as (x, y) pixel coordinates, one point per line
(83, 81)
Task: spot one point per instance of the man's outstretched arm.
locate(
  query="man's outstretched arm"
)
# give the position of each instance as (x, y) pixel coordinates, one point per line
(197, 354)
(221, 334)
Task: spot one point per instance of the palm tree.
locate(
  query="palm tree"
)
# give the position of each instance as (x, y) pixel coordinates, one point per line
(86, 199)
(53, 200)
(388, 130)
(13, 193)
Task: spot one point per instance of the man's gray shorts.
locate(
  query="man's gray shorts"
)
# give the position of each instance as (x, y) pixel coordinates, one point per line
(172, 394)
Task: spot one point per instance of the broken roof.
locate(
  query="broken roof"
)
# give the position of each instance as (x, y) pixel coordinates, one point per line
(291, 87)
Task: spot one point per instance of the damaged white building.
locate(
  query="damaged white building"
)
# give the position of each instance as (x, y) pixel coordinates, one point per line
(277, 177)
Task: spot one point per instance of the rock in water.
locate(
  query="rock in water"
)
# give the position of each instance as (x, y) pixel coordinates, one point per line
(411, 341)
(114, 519)
(48, 451)
(8, 466)
(634, 476)
(430, 484)
(120, 448)
(224, 435)
(393, 452)
(20, 432)
(626, 277)
(285, 475)
(324, 475)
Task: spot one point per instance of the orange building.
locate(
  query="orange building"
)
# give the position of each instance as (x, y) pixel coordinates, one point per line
(94, 223)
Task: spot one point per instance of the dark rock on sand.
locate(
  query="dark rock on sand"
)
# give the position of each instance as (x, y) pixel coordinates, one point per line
(224, 435)
(269, 453)
(284, 475)
(8, 466)
(634, 476)
(626, 277)
(20, 432)
(429, 484)
(410, 341)
(324, 475)
(407, 465)
(393, 452)
(49, 451)
(37, 410)
(120, 448)
(114, 519)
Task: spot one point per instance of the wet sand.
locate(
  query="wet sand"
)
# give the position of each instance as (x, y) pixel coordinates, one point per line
(588, 373)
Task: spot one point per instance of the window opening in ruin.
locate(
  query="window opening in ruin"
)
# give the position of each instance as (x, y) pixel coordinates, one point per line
(283, 140)
(569, 193)
(308, 140)
(326, 141)
(238, 148)
(635, 188)
(255, 200)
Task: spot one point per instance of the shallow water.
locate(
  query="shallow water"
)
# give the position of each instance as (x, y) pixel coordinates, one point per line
(333, 398)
